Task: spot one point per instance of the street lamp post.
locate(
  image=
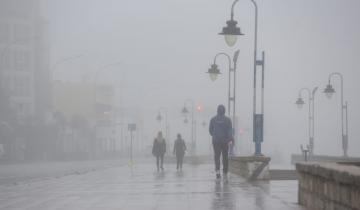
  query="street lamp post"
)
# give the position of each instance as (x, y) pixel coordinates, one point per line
(311, 114)
(214, 72)
(329, 92)
(159, 119)
(185, 111)
(231, 31)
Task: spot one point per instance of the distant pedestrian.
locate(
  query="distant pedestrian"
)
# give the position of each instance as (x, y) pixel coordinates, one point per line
(158, 150)
(179, 151)
(220, 129)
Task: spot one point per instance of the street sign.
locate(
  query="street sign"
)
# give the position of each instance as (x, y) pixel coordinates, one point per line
(258, 127)
(132, 127)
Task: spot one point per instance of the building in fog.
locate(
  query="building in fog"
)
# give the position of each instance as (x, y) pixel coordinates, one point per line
(24, 73)
(24, 64)
(88, 116)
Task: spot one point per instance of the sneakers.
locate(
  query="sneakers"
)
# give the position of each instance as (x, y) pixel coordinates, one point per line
(225, 176)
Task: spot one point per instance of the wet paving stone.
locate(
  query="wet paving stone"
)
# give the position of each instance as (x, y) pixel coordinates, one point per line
(141, 187)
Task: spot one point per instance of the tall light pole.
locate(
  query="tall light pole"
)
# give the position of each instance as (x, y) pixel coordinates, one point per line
(231, 31)
(329, 92)
(185, 111)
(214, 72)
(311, 114)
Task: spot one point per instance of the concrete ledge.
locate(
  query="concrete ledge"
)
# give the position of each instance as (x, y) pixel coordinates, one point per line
(329, 186)
(250, 167)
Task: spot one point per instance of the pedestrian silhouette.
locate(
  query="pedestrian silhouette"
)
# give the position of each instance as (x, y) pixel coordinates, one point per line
(220, 129)
(179, 151)
(158, 150)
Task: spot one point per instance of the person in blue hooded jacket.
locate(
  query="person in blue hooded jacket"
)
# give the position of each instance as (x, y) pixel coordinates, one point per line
(220, 129)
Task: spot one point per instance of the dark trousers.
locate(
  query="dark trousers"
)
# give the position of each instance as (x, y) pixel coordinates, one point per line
(179, 160)
(221, 149)
(159, 161)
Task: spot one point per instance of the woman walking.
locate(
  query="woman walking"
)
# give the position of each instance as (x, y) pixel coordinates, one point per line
(158, 150)
(179, 151)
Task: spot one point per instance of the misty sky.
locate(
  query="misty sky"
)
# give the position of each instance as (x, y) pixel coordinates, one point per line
(165, 47)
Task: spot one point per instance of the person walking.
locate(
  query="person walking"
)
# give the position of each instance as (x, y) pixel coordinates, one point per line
(158, 150)
(220, 129)
(179, 151)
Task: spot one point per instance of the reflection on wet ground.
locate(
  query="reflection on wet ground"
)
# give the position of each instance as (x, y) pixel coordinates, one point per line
(143, 188)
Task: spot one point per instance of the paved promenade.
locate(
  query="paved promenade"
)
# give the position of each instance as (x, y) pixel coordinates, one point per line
(142, 188)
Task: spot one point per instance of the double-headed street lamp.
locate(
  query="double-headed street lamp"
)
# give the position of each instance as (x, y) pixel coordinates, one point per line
(311, 114)
(231, 31)
(185, 112)
(214, 72)
(329, 92)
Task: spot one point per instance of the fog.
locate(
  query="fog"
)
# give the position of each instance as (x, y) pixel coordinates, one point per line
(156, 54)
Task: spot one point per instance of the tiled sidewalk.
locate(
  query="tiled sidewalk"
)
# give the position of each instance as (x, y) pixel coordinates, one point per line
(142, 188)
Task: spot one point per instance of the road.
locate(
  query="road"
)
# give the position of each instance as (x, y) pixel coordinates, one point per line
(140, 187)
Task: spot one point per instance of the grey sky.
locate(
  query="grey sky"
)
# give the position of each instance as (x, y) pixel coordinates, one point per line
(166, 47)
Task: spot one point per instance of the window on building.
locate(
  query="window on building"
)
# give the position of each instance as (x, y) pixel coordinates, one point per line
(21, 34)
(21, 60)
(4, 33)
(5, 59)
(5, 82)
(21, 86)
(23, 109)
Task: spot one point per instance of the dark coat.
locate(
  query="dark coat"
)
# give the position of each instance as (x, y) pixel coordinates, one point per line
(220, 128)
(179, 147)
(159, 148)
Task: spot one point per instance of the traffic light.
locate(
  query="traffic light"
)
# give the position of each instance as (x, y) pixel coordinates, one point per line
(199, 108)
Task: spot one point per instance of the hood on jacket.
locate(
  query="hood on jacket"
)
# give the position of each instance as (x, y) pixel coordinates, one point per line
(221, 110)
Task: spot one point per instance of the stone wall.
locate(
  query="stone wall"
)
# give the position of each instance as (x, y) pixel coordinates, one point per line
(329, 186)
(296, 158)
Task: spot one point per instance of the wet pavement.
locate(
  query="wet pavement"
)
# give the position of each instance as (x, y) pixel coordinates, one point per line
(141, 188)
(27, 172)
